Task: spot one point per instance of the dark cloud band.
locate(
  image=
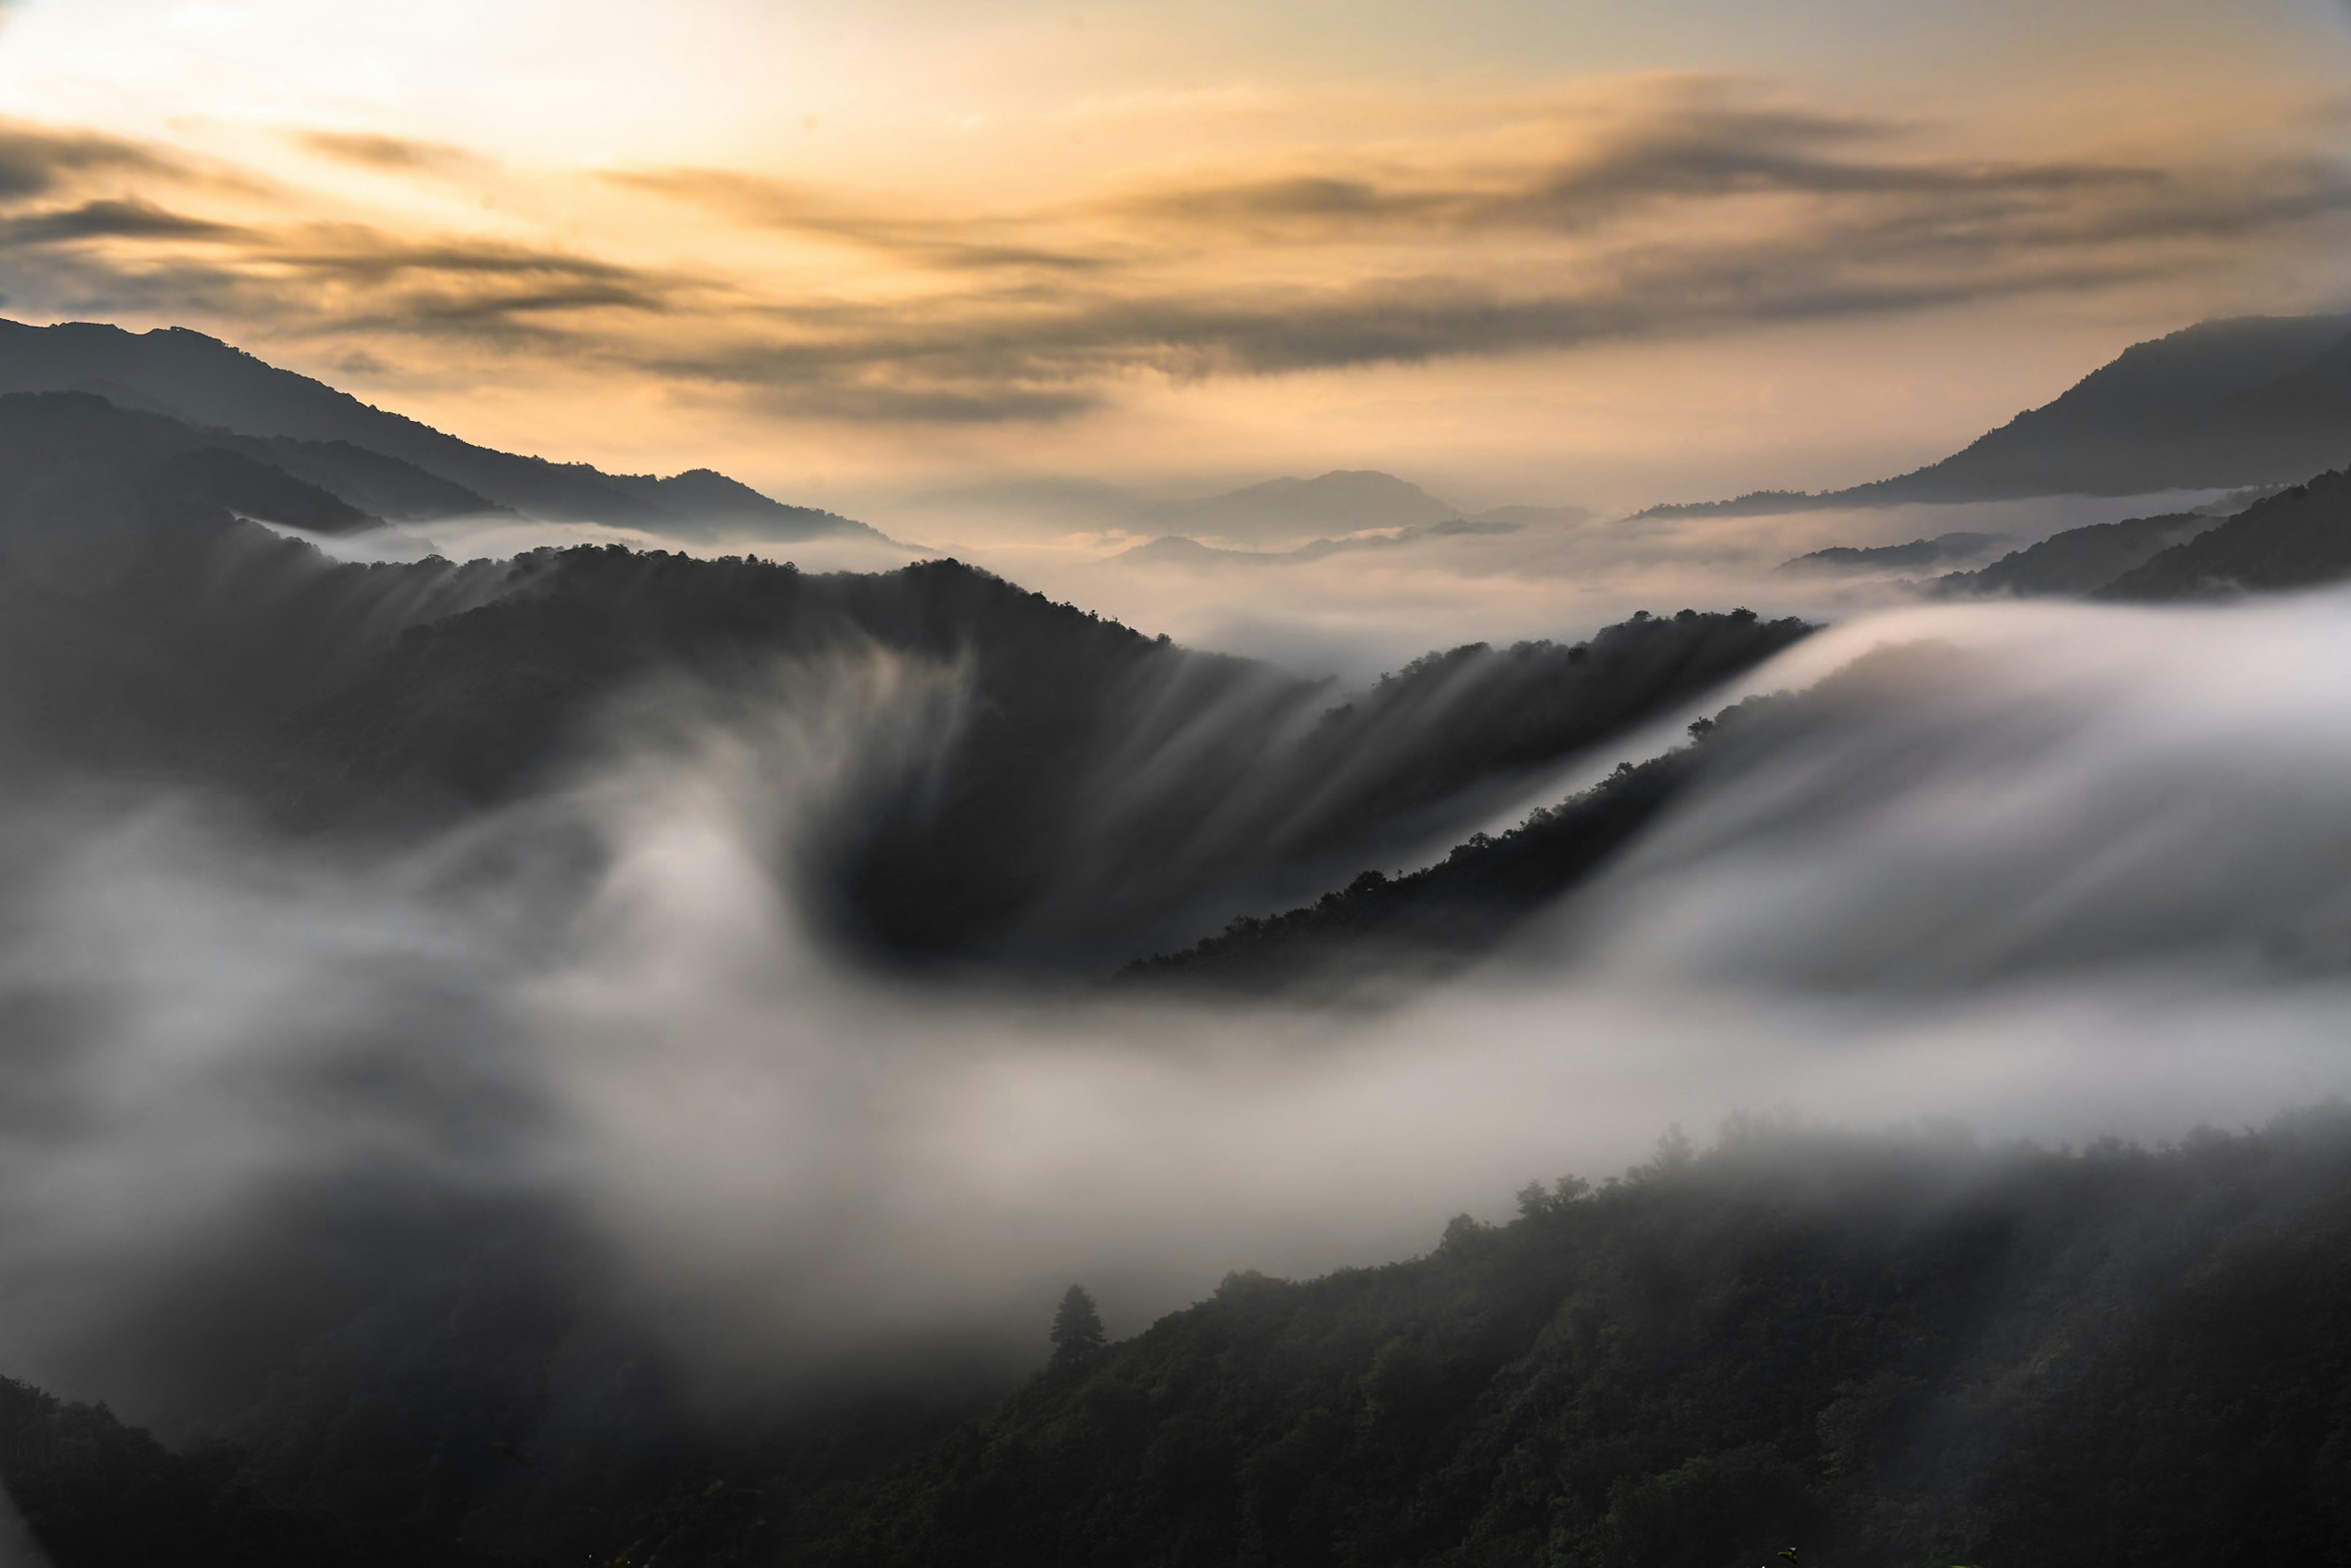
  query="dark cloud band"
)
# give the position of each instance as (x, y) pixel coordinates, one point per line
(1691, 212)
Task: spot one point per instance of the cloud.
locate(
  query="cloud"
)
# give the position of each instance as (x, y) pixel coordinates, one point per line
(2014, 235)
(1691, 214)
(392, 154)
(132, 219)
(1676, 209)
(778, 204)
(275, 1080)
(1686, 153)
(340, 282)
(33, 161)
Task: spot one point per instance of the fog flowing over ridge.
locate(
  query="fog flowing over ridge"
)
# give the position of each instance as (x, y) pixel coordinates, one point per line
(2053, 870)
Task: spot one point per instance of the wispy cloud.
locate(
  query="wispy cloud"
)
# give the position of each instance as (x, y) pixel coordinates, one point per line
(962, 243)
(1683, 208)
(392, 154)
(33, 161)
(1683, 155)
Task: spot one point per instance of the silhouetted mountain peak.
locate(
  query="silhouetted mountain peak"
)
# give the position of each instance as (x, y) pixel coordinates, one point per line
(2247, 400)
(205, 381)
(1289, 510)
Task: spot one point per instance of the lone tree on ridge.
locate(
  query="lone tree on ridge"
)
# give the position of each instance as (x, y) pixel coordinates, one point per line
(1078, 1335)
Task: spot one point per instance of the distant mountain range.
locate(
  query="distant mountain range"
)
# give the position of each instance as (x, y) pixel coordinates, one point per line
(1286, 511)
(1175, 549)
(1381, 929)
(1293, 521)
(1939, 550)
(2299, 537)
(1105, 792)
(385, 465)
(2251, 400)
(2076, 561)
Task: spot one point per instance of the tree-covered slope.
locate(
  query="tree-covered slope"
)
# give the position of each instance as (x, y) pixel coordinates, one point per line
(1896, 1351)
(1895, 1354)
(2078, 560)
(1089, 793)
(1379, 929)
(2298, 538)
(145, 628)
(1038, 786)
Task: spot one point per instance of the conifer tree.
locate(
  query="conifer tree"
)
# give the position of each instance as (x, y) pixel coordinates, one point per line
(1078, 1335)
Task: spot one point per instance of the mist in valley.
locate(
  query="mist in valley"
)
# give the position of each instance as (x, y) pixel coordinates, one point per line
(1291, 949)
(2049, 872)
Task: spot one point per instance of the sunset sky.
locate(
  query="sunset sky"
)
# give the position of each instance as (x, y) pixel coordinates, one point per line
(1607, 252)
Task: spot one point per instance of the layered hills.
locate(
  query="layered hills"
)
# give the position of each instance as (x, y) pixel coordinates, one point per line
(1887, 1351)
(1079, 792)
(382, 462)
(1287, 511)
(1461, 907)
(1292, 521)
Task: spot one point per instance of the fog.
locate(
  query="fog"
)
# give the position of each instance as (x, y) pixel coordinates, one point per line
(499, 537)
(2047, 871)
(1379, 599)
(1359, 604)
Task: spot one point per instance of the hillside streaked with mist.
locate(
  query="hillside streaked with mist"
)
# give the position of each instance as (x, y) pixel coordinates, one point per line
(1166, 786)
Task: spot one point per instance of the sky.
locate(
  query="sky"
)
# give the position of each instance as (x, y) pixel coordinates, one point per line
(901, 258)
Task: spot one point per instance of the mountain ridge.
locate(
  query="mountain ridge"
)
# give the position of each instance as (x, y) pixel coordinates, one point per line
(204, 381)
(1291, 510)
(2225, 404)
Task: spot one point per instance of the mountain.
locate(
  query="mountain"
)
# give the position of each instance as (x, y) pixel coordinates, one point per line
(400, 467)
(2076, 561)
(144, 626)
(1288, 511)
(1888, 1354)
(1538, 517)
(1379, 930)
(1176, 549)
(1887, 1351)
(1909, 557)
(1107, 792)
(2298, 538)
(2247, 400)
(1101, 794)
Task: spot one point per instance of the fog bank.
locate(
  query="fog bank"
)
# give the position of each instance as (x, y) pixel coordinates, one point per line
(2049, 871)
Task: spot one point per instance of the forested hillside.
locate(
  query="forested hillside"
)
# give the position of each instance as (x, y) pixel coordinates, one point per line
(1070, 792)
(1891, 1353)
(2298, 538)
(2076, 560)
(1896, 1351)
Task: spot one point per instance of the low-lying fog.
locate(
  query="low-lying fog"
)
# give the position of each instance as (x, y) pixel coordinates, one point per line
(2052, 871)
(1356, 610)
(1354, 605)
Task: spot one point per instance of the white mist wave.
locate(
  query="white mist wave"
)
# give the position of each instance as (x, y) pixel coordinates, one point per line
(2076, 871)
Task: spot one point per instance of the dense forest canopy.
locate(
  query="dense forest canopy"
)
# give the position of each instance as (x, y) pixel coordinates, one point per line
(1895, 1351)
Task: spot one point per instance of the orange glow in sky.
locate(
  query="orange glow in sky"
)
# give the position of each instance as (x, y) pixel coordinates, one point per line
(1601, 253)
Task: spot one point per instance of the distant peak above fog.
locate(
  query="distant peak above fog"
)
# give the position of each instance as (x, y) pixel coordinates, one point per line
(387, 466)
(2246, 401)
(1289, 510)
(1325, 510)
